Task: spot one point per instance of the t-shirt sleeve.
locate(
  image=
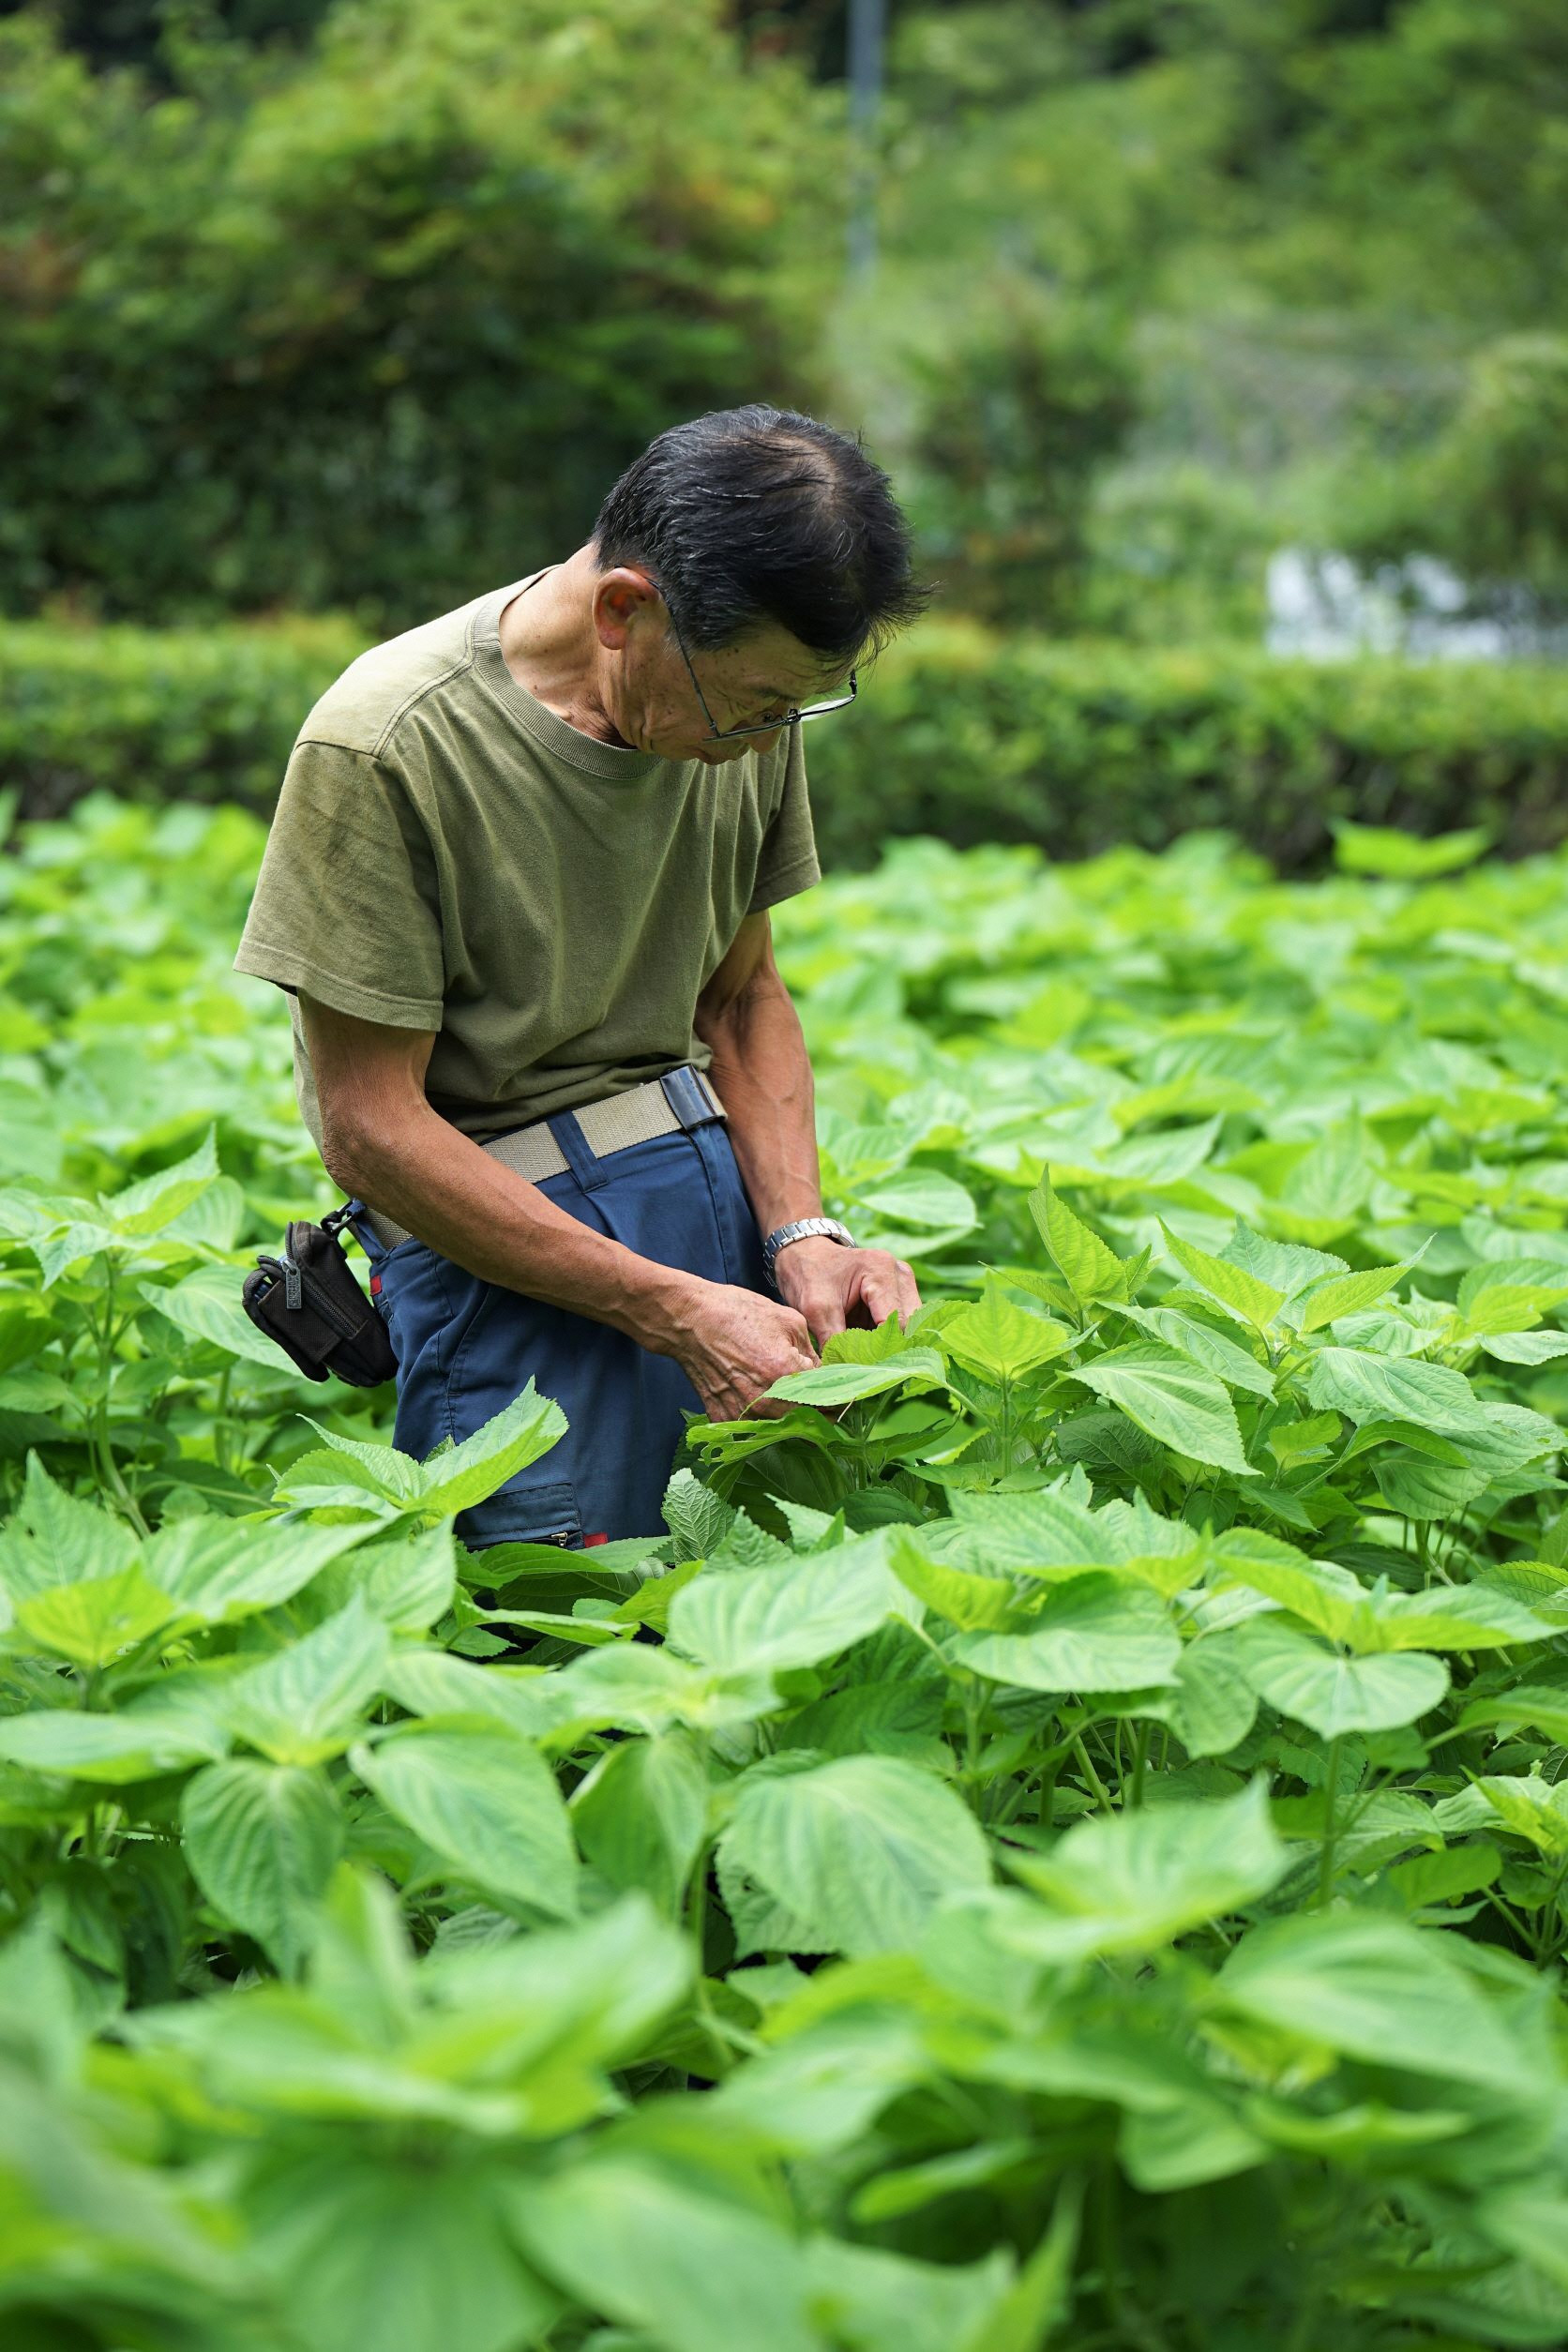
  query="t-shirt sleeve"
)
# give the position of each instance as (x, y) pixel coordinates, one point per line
(789, 861)
(346, 907)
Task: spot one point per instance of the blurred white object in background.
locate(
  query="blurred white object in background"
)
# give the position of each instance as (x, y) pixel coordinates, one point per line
(1323, 606)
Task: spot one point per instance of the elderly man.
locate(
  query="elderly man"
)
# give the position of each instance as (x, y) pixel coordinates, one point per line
(517, 888)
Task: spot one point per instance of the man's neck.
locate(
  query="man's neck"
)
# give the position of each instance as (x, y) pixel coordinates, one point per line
(550, 646)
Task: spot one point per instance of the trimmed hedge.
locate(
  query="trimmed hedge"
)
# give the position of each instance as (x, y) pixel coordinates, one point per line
(158, 713)
(1076, 745)
(1081, 744)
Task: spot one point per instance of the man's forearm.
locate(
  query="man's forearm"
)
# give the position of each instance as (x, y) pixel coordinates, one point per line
(470, 1209)
(382, 1139)
(762, 1074)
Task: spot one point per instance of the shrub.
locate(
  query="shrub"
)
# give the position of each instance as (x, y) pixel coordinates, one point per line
(360, 327)
(1080, 745)
(157, 715)
(1075, 744)
(1027, 401)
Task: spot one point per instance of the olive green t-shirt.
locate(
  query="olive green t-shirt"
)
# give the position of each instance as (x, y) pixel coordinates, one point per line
(448, 855)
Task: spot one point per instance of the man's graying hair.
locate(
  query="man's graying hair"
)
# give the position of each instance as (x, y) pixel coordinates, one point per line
(757, 514)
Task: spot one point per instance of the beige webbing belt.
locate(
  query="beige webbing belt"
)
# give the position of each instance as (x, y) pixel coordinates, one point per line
(608, 1126)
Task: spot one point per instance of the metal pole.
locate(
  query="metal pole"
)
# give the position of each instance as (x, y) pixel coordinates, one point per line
(867, 26)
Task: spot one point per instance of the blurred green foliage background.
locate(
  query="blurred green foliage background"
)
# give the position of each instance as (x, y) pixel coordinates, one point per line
(318, 317)
(357, 307)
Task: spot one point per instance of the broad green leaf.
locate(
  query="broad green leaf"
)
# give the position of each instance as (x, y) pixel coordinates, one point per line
(59, 1251)
(1348, 1295)
(881, 2301)
(1097, 1633)
(1213, 1705)
(1526, 1346)
(1172, 1400)
(1445, 1876)
(901, 1718)
(434, 1682)
(1288, 1267)
(1001, 1341)
(206, 1305)
(922, 1196)
(1397, 856)
(966, 1601)
(1463, 1616)
(1321, 1592)
(1376, 1990)
(811, 1607)
(374, 2246)
(1168, 1554)
(698, 1520)
(335, 1482)
(847, 1383)
(640, 1816)
(1529, 2220)
(1331, 1694)
(1323, 1194)
(518, 1435)
(95, 1621)
(1394, 1388)
(860, 1849)
(122, 1747)
(1526, 1707)
(223, 1569)
(1089, 1267)
(262, 1841)
(57, 1538)
(1252, 1301)
(305, 1704)
(1211, 1348)
(408, 1580)
(1140, 1880)
(156, 1201)
(1030, 1532)
(1532, 1808)
(451, 1481)
(485, 1801)
(705, 2273)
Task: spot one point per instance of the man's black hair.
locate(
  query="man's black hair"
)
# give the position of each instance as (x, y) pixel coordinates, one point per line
(757, 514)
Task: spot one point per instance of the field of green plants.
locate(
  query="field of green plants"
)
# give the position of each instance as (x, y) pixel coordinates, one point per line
(1065, 1839)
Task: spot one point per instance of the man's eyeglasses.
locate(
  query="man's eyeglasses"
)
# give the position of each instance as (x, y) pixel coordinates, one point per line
(770, 726)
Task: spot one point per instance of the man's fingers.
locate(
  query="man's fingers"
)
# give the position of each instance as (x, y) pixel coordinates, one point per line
(825, 1315)
(909, 1291)
(883, 1292)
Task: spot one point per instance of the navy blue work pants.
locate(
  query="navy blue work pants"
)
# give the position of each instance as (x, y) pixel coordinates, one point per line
(465, 1348)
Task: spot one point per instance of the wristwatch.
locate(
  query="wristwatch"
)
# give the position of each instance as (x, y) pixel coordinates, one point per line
(803, 1230)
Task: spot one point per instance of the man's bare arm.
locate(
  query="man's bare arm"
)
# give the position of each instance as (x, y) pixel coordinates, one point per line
(382, 1141)
(762, 1074)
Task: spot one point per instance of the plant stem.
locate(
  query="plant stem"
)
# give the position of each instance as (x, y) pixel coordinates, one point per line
(1140, 1759)
(1330, 1811)
(1089, 1773)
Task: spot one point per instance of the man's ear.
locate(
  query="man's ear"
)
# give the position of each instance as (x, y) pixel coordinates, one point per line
(623, 600)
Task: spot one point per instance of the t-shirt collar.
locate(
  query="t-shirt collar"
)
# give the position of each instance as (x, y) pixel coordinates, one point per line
(610, 761)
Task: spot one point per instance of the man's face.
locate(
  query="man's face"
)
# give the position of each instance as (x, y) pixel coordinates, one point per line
(656, 701)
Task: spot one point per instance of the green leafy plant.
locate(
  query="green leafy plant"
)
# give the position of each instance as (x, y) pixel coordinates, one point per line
(1063, 1839)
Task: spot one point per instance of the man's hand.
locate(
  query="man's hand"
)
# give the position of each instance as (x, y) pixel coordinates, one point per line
(735, 1343)
(829, 1284)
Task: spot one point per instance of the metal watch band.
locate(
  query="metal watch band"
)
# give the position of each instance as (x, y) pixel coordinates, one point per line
(803, 1230)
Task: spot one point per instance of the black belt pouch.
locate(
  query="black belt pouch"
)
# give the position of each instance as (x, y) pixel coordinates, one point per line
(309, 1302)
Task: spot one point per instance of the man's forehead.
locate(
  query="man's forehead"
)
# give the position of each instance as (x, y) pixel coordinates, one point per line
(771, 658)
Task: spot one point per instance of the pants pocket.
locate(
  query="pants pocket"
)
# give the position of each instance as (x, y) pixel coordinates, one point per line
(534, 1511)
